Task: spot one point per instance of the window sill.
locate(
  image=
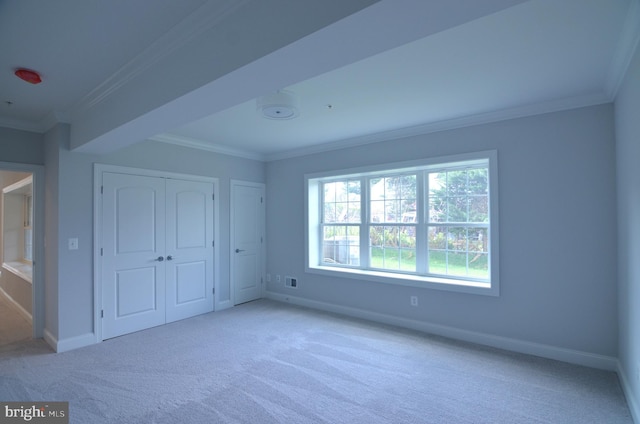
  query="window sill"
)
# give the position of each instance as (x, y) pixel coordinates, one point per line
(21, 269)
(408, 280)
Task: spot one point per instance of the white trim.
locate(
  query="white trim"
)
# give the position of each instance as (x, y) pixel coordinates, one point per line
(448, 124)
(194, 143)
(201, 20)
(312, 217)
(98, 170)
(626, 47)
(72, 343)
(37, 292)
(417, 130)
(222, 305)
(628, 393)
(18, 307)
(515, 345)
(50, 339)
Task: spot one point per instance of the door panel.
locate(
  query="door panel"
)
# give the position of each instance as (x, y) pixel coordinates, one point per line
(189, 248)
(191, 282)
(133, 280)
(135, 292)
(247, 219)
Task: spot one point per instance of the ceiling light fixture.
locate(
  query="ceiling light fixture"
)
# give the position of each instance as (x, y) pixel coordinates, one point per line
(281, 105)
(28, 75)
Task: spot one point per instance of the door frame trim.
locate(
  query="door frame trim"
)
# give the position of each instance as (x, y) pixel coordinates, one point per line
(39, 260)
(263, 251)
(98, 170)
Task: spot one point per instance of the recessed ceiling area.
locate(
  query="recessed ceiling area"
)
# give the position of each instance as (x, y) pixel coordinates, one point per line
(538, 56)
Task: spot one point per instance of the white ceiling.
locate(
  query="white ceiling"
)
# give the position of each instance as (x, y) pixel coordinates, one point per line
(472, 66)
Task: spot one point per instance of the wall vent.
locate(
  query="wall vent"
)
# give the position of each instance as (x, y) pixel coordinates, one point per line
(290, 282)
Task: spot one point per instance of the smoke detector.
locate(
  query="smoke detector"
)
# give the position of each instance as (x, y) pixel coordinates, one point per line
(281, 105)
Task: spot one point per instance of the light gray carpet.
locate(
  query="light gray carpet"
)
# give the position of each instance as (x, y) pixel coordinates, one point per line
(267, 362)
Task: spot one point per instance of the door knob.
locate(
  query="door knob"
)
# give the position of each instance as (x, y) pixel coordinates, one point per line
(239, 250)
(159, 259)
(169, 258)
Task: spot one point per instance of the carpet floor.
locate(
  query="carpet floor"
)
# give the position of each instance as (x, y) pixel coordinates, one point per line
(267, 362)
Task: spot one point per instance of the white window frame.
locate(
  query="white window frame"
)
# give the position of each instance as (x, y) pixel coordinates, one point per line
(313, 214)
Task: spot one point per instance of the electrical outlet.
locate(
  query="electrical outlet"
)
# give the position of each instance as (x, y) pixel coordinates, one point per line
(414, 300)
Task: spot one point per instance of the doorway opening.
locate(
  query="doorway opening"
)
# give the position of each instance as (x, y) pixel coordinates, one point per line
(16, 256)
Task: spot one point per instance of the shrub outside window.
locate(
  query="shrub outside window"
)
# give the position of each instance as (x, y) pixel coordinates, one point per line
(428, 223)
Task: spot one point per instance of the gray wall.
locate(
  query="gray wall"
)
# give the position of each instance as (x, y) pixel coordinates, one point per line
(75, 184)
(627, 125)
(53, 140)
(557, 227)
(21, 146)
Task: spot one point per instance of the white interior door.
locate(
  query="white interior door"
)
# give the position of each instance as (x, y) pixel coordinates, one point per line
(133, 244)
(189, 248)
(247, 228)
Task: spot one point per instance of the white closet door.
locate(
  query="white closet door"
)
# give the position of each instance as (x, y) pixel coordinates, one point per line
(247, 236)
(189, 248)
(133, 241)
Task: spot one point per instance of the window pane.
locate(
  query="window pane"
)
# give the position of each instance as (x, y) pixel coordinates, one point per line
(437, 197)
(458, 251)
(478, 181)
(459, 196)
(393, 247)
(393, 199)
(341, 244)
(457, 209)
(341, 202)
(479, 208)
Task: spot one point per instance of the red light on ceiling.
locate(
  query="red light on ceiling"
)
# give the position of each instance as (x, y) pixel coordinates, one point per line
(29, 76)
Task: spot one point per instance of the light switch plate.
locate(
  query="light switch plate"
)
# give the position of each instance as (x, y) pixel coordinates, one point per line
(73, 244)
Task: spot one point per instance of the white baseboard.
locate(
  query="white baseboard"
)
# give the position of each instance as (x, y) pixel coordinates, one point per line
(23, 312)
(515, 345)
(50, 339)
(71, 343)
(628, 393)
(221, 306)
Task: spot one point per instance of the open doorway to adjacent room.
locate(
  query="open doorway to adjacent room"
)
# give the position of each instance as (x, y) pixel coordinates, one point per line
(20, 246)
(16, 253)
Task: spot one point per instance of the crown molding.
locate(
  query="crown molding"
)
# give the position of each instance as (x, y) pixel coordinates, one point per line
(204, 145)
(204, 18)
(450, 124)
(626, 47)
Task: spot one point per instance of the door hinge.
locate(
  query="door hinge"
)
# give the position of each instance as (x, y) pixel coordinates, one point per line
(102, 313)
(213, 243)
(261, 199)
(214, 290)
(101, 189)
(213, 196)
(101, 251)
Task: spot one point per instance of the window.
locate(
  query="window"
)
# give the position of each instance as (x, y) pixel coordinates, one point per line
(429, 223)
